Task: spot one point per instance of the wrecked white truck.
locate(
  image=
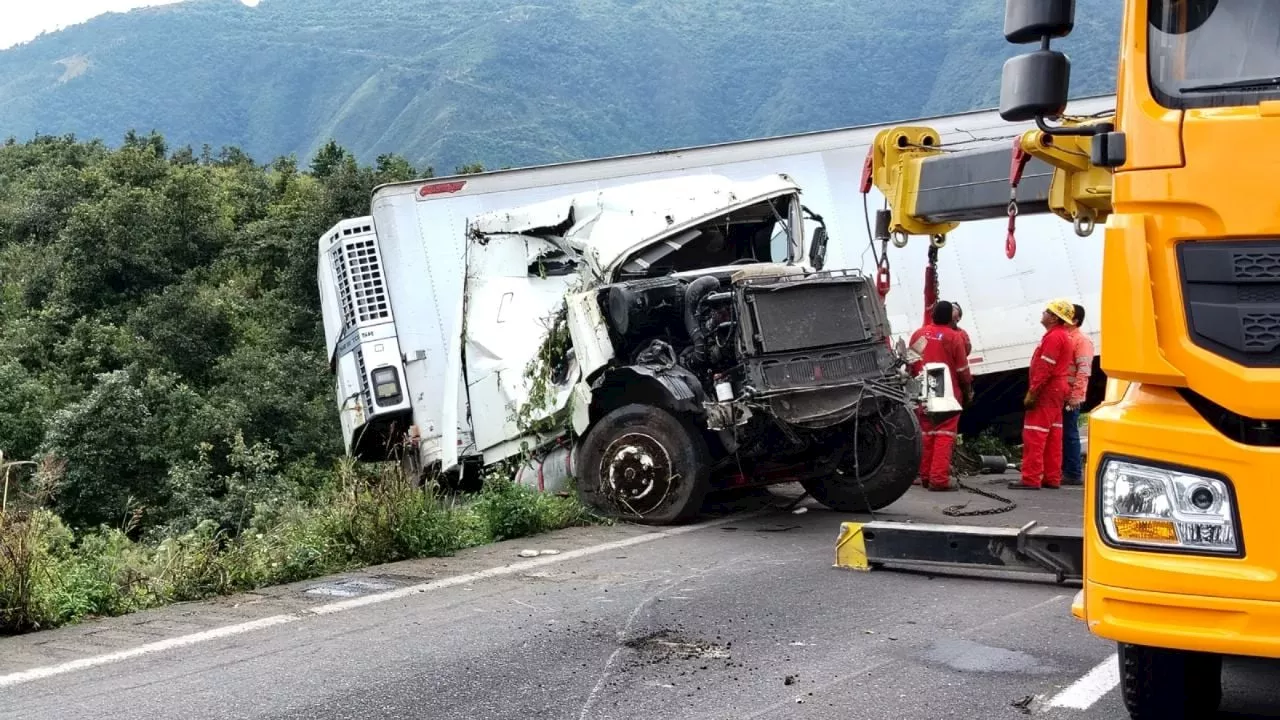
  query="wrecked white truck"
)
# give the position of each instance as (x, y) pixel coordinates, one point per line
(654, 340)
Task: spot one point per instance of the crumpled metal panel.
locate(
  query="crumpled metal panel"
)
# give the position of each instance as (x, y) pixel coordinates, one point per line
(609, 225)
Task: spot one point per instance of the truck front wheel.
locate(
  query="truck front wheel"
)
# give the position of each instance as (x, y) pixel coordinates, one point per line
(642, 464)
(879, 464)
(1169, 684)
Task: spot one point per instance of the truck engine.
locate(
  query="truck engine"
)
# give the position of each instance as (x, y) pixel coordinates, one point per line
(785, 372)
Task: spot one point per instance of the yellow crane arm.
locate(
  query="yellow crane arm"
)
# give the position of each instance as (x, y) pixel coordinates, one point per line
(930, 189)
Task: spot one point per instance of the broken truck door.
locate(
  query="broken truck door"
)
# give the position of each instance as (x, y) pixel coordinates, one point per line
(515, 290)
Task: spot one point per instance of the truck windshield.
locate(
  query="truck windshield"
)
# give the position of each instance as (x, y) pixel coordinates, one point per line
(1214, 53)
(759, 233)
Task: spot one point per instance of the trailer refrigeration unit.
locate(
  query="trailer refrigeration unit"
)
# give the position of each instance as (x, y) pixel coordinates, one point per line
(364, 353)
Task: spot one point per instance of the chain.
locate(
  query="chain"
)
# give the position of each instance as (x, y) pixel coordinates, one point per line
(959, 510)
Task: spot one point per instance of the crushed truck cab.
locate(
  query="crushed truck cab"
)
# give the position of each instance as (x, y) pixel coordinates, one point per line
(674, 334)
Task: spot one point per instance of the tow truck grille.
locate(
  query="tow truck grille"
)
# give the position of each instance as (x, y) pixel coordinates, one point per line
(1231, 292)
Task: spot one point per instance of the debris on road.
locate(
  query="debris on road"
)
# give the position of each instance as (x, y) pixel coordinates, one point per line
(536, 553)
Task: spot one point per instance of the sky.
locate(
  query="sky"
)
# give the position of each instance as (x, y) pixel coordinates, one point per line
(25, 19)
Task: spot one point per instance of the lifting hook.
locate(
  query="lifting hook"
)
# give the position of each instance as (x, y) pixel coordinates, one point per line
(1084, 224)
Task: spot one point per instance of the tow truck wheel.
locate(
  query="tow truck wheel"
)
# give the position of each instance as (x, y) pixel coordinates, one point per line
(878, 467)
(642, 464)
(1169, 684)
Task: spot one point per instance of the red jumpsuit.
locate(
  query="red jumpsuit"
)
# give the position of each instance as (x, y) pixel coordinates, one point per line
(1042, 423)
(940, 344)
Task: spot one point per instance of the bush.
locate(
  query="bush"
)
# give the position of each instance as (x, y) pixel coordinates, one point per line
(51, 576)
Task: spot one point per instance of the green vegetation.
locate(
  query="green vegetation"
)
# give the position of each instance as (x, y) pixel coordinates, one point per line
(162, 360)
(449, 83)
(968, 452)
(51, 576)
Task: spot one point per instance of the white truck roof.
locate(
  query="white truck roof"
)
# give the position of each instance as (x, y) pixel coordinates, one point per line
(612, 223)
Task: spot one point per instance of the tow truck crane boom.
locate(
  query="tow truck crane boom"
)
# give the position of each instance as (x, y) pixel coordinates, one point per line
(931, 189)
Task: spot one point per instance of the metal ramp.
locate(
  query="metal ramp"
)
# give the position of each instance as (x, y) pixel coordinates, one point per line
(1043, 536)
(1028, 549)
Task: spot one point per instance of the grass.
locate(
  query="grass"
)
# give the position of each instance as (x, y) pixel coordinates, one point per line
(51, 576)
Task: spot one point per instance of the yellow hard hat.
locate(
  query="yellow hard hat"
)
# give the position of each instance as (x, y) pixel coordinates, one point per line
(1063, 309)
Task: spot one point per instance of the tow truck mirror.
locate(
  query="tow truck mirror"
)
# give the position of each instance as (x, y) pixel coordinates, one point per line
(818, 249)
(1037, 84)
(1027, 21)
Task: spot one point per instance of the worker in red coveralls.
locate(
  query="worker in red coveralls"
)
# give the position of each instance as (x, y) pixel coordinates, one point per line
(1045, 399)
(938, 342)
(1078, 381)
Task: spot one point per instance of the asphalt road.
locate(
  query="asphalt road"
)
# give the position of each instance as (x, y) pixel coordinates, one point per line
(743, 619)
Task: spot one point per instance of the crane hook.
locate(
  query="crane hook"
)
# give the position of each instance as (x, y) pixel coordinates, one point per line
(1084, 224)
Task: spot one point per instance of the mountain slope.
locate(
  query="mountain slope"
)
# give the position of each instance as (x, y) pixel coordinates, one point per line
(446, 82)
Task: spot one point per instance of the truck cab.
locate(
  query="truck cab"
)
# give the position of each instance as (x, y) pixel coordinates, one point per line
(678, 337)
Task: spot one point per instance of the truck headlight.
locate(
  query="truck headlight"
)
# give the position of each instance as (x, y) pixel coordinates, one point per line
(1151, 506)
(386, 386)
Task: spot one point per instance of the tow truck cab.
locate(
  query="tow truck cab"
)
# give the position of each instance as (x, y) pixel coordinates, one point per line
(1181, 556)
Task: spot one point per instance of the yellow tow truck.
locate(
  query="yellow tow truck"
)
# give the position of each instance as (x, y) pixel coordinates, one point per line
(1180, 552)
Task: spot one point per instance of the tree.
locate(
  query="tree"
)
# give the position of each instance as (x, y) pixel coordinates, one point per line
(393, 168)
(328, 159)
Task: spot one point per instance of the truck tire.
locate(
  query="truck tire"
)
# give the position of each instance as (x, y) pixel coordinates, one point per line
(642, 464)
(889, 447)
(1169, 684)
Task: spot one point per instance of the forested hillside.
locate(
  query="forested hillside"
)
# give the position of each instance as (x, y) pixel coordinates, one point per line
(162, 363)
(504, 83)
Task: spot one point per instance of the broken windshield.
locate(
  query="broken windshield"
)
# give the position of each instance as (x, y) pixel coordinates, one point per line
(759, 233)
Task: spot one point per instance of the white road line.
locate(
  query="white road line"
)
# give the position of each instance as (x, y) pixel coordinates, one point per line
(1083, 693)
(26, 676)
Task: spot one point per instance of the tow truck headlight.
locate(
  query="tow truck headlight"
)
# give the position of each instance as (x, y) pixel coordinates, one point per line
(1151, 506)
(386, 386)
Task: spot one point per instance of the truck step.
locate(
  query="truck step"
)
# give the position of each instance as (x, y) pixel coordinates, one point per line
(1032, 548)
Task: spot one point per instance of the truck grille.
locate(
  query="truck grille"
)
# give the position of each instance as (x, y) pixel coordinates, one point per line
(789, 316)
(1231, 292)
(832, 369)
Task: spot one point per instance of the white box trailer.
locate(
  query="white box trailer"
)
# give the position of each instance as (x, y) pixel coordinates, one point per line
(419, 231)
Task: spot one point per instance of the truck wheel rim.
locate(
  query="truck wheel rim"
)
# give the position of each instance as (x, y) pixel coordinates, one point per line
(872, 445)
(637, 467)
